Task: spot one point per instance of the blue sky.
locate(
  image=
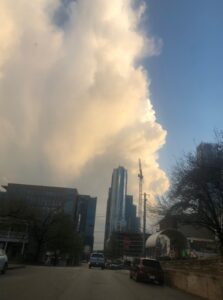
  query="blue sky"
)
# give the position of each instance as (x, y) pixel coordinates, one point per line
(186, 78)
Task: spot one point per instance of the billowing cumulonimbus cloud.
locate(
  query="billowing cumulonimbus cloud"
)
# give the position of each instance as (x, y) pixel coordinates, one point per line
(74, 99)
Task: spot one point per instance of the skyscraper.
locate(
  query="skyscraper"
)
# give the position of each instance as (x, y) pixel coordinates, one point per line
(86, 209)
(132, 222)
(107, 221)
(118, 199)
(115, 215)
(121, 212)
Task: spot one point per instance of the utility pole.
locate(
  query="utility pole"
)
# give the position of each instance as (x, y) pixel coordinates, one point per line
(144, 226)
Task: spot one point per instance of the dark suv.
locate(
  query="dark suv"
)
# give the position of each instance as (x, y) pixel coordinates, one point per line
(145, 269)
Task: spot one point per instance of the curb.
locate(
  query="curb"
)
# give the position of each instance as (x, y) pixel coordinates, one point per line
(14, 267)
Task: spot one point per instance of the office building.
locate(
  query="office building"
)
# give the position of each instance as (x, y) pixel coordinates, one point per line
(118, 199)
(132, 221)
(206, 152)
(86, 209)
(47, 198)
(121, 212)
(81, 208)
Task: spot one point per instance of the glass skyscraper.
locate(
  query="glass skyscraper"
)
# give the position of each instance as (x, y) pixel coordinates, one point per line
(121, 212)
(86, 209)
(118, 199)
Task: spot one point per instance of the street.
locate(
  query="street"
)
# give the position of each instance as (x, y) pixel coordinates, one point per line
(64, 283)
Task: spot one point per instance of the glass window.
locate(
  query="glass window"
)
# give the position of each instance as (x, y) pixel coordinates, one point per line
(151, 263)
(97, 255)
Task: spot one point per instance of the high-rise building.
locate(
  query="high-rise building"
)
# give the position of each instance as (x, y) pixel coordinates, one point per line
(86, 209)
(107, 221)
(121, 212)
(118, 199)
(132, 222)
(206, 151)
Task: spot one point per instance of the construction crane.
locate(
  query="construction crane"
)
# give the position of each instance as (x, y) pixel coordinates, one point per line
(140, 175)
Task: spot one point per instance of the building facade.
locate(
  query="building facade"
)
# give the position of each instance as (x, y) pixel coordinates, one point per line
(124, 244)
(86, 210)
(118, 199)
(132, 221)
(14, 234)
(121, 212)
(177, 239)
(107, 220)
(206, 151)
(80, 208)
(47, 198)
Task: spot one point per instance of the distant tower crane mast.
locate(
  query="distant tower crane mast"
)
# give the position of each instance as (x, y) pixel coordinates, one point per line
(140, 175)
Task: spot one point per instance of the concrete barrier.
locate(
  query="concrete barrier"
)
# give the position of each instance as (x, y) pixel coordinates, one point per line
(203, 285)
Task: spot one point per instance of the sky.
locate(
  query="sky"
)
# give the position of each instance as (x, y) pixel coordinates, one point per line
(186, 78)
(86, 86)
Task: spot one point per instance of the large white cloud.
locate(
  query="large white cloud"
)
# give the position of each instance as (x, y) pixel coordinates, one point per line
(74, 101)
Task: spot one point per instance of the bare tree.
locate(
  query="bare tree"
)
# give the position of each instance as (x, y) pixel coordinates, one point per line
(197, 187)
(49, 229)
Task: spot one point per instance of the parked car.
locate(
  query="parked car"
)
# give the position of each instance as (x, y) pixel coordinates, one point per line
(145, 269)
(3, 261)
(115, 265)
(97, 260)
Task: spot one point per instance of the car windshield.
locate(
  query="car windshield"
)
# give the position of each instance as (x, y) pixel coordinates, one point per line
(97, 255)
(151, 263)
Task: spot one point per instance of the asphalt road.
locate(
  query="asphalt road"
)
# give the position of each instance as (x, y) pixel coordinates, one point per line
(80, 283)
